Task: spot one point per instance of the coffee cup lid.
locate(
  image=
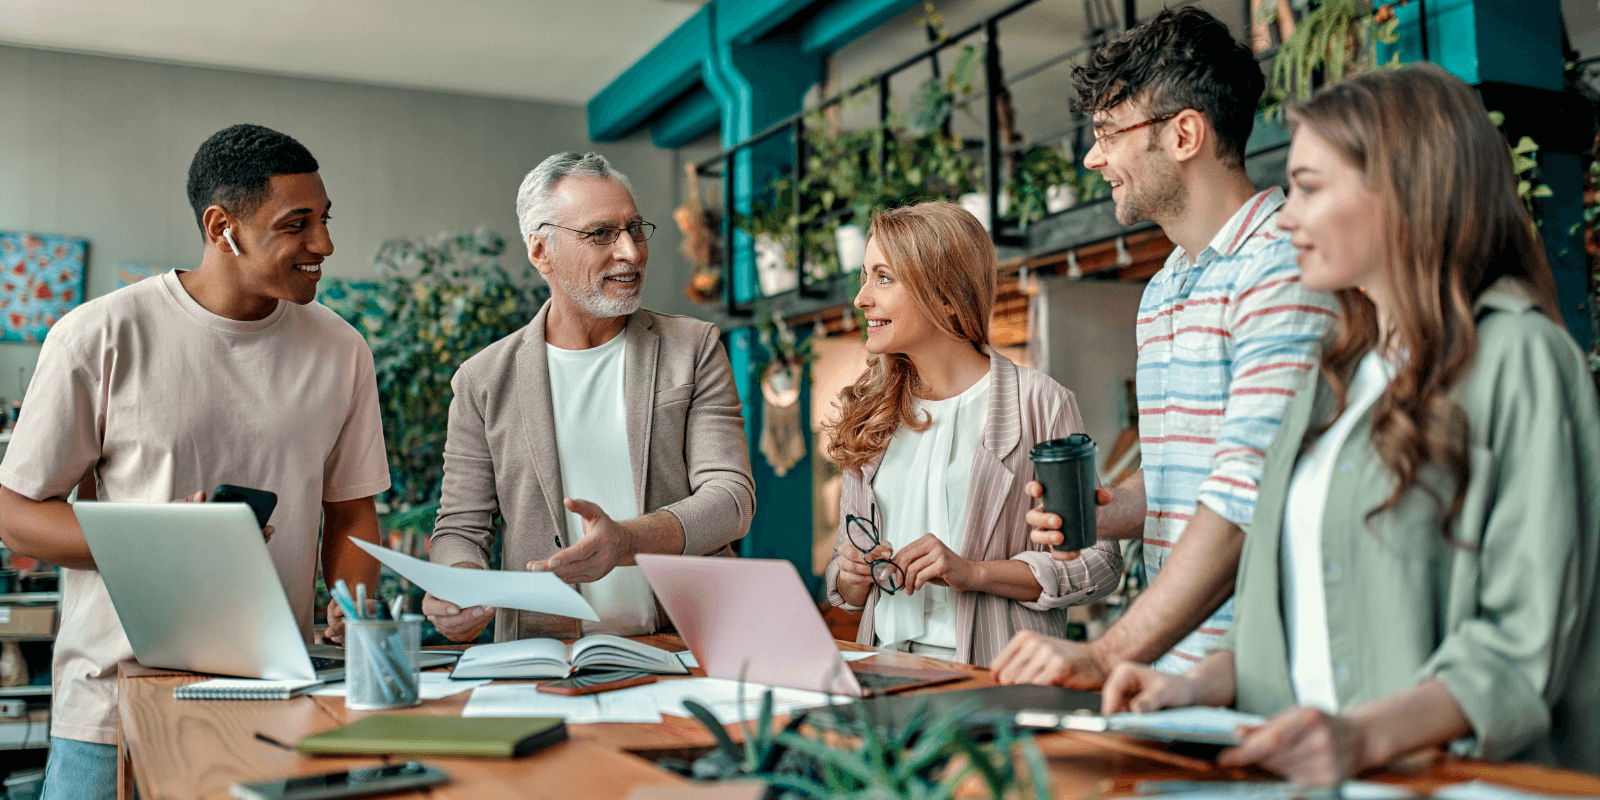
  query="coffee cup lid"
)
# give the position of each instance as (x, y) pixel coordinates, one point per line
(1077, 445)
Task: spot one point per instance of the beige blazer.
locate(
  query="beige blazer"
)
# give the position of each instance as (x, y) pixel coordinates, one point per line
(686, 442)
(1025, 407)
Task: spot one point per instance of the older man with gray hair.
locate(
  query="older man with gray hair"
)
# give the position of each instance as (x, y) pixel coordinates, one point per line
(546, 423)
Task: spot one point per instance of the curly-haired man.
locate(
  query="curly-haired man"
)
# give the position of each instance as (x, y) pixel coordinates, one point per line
(1225, 335)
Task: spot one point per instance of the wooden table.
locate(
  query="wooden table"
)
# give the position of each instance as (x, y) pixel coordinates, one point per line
(196, 749)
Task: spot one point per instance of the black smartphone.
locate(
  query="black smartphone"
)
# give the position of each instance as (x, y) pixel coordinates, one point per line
(260, 501)
(379, 779)
(596, 682)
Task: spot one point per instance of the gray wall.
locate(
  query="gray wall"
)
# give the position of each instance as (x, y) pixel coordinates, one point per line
(1091, 349)
(100, 148)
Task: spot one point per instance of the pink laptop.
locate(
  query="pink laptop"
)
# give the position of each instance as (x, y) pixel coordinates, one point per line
(754, 616)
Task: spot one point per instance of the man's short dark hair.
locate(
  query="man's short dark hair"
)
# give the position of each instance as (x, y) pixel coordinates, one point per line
(232, 168)
(1179, 59)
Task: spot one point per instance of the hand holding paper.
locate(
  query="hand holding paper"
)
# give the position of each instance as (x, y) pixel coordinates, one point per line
(529, 591)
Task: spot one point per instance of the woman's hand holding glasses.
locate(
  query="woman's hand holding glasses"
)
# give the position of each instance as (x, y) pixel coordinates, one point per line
(864, 561)
(855, 567)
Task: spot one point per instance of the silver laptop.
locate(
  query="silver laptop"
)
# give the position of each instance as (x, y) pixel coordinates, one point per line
(196, 591)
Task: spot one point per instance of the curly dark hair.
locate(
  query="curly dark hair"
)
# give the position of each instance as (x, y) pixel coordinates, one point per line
(1179, 59)
(231, 169)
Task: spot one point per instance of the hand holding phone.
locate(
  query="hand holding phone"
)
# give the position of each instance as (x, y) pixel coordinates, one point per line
(379, 779)
(596, 682)
(261, 501)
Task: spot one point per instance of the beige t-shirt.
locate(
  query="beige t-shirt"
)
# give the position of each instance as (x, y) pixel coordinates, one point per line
(160, 398)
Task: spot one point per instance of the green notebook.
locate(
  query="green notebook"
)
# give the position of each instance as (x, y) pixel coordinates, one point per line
(411, 734)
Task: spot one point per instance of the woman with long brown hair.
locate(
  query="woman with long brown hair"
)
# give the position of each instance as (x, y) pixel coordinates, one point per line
(1422, 568)
(933, 439)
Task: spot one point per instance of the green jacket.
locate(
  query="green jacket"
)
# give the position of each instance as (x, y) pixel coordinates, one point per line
(1509, 626)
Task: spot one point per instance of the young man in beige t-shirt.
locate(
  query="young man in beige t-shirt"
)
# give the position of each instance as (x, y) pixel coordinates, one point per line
(165, 389)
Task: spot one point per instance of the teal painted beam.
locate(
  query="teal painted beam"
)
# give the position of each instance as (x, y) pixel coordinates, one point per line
(844, 21)
(696, 115)
(667, 71)
(746, 21)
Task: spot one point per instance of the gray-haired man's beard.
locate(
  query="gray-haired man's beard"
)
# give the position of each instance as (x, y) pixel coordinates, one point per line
(592, 297)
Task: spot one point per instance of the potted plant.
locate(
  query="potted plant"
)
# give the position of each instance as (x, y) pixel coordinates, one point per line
(1043, 181)
(926, 758)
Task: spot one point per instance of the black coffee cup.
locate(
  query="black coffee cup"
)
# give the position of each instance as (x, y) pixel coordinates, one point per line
(1065, 467)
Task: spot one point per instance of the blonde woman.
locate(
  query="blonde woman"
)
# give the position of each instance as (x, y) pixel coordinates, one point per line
(1422, 567)
(933, 439)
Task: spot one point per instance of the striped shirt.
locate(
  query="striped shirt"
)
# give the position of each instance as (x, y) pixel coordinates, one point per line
(1225, 339)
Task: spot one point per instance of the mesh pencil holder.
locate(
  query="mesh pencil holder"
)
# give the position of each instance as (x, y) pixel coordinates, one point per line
(381, 669)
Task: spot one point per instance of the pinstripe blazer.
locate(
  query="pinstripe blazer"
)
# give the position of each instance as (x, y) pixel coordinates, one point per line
(1025, 406)
(685, 438)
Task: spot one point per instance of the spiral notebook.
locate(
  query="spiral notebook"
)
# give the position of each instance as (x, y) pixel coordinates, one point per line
(243, 689)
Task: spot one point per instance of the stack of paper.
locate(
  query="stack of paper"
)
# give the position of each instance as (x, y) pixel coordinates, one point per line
(639, 703)
(722, 698)
(524, 700)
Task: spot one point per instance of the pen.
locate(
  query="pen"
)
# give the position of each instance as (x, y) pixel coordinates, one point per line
(269, 740)
(361, 600)
(341, 595)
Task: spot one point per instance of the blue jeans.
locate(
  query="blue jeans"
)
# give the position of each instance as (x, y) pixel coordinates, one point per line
(80, 771)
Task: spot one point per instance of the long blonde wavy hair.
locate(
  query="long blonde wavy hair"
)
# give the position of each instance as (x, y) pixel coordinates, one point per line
(942, 256)
(1454, 225)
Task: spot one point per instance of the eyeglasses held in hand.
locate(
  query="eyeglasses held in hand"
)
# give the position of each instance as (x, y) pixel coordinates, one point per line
(863, 533)
(608, 234)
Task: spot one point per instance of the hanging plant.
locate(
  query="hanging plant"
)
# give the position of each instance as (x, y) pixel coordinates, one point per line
(1330, 43)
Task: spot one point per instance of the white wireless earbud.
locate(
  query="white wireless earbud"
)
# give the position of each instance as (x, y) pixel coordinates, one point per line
(227, 233)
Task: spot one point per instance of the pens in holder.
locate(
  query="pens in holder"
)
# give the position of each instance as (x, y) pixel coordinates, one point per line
(341, 595)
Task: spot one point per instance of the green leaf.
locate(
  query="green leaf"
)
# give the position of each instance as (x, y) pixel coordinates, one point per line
(1542, 191)
(982, 764)
(709, 720)
(801, 784)
(847, 763)
(1038, 769)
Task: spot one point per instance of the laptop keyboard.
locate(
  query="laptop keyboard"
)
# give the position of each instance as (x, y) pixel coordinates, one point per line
(320, 663)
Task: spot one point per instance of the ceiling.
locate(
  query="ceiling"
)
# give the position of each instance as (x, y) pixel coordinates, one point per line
(544, 50)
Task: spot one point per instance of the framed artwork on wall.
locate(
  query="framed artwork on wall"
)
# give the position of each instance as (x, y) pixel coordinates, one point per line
(41, 279)
(131, 272)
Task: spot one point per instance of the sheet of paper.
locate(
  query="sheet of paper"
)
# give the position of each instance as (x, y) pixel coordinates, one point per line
(1263, 790)
(1195, 724)
(523, 700)
(433, 686)
(1483, 790)
(721, 698)
(528, 591)
(691, 662)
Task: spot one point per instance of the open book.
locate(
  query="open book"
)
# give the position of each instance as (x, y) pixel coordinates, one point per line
(550, 658)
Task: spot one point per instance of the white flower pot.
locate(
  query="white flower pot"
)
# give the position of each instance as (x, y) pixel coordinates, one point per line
(772, 267)
(851, 242)
(1060, 198)
(977, 204)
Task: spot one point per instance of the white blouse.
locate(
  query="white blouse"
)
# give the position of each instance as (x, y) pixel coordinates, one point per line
(1305, 601)
(921, 488)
